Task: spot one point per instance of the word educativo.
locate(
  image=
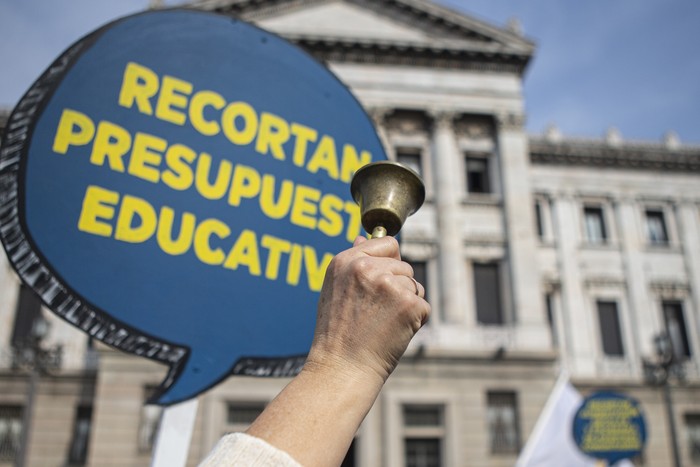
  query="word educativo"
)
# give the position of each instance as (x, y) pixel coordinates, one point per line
(132, 219)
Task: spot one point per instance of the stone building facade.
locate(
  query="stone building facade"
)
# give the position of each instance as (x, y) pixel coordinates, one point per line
(539, 254)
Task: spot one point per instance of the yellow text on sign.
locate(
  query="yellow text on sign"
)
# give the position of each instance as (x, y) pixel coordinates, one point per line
(175, 100)
(132, 219)
(181, 168)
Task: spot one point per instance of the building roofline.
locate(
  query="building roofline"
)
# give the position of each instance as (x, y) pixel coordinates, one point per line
(468, 43)
(641, 155)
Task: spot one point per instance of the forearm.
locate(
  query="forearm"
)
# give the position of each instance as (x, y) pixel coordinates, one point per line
(315, 417)
(369, 309)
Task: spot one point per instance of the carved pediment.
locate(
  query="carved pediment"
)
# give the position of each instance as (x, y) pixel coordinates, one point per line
(415, 32)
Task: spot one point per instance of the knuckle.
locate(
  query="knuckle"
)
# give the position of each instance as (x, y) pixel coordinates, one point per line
(336, 264)
(385, 283)
(361, 268)
(394, 243)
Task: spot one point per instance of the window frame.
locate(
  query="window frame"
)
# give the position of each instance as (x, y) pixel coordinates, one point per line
(660, 215)
(487, 177)
(692, 436)
(501, 315)
(80, 459)
(14, 422)
(491, 394)
(620, 333)
(590, 237)
(687, 343)
(542, 212)
(428, 432)
(27, 311)
(411, 152)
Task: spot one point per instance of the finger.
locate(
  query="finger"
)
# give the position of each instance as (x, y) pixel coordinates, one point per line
(381, 247)
(415, 287)
(377, 266)
(359, 240)
(425, 313)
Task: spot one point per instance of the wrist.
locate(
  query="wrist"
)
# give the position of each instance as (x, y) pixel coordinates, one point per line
(337, 371)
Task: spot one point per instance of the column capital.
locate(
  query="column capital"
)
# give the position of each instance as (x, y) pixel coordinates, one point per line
(442, 117)
(624, 200)
(509, 120)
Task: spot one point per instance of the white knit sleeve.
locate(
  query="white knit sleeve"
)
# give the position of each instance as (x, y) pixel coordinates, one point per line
(240, 449)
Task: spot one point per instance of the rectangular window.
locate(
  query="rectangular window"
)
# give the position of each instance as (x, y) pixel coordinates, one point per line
(538, 220)
(656, 227)
(411, 158)
(77, 453)
(424, 432)
(27, 311)
(676, 328)
(502, 413)
(692, 427)
(610, 330)
(478, 175)
(10, 432)
(595, 224)
(487, 288)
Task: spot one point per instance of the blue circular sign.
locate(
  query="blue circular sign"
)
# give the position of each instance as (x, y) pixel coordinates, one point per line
(610, 426)
(175, 185)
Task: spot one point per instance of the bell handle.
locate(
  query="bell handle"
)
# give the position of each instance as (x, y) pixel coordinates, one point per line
(378, 232)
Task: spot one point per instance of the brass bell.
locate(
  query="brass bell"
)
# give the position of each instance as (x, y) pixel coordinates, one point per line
(387, 193)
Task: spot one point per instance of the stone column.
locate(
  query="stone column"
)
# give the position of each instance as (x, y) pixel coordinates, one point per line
(531, 325)
(641, 313)
(688, 217)
(447, 202)
(579, 337)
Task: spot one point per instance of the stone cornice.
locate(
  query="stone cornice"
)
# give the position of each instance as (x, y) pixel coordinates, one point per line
(633, 155)
(344, 50)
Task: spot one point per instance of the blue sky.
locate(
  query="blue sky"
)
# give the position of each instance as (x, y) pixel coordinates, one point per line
(630, 64)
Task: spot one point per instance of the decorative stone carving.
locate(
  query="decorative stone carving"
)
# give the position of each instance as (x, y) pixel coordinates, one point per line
(418, 249)
(553, 133)
(670, 290)
(671, 140)
(406, 122)
(442, 117)
(613, 137)
(474, 128)
(605, 281)
(551, 284)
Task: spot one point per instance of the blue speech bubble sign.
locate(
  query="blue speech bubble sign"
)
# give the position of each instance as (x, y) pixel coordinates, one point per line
(610, 426)
(175, 185)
